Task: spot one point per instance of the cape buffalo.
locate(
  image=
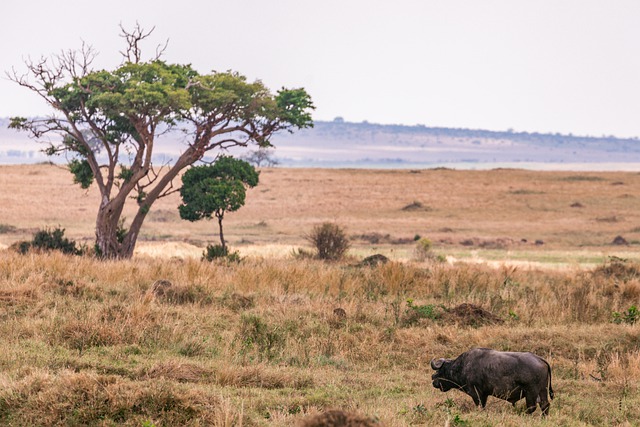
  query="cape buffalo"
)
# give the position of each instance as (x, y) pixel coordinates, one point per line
(482, 372)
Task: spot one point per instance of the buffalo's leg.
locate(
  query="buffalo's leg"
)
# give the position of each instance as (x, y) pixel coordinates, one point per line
(483, 400)
(544, 403)
(479, 398)
(531, 403)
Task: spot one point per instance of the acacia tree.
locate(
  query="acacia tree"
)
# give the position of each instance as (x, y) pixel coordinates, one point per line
(107, 123)
(261, 157)
(213, 190)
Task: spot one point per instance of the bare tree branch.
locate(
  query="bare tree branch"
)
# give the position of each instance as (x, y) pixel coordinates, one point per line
(133, 52)
(77, 63)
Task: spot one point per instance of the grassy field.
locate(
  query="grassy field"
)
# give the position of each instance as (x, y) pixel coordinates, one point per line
(494, 215)
(169, 340)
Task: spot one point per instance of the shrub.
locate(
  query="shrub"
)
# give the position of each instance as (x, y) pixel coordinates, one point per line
(216, 252)
(414, 313)
(423, 249)
(256, 334)
(631, 316)
(619, 269)
(50, 240)
(330, 240)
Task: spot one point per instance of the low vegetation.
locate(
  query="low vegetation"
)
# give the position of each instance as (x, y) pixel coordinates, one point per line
(329, 240)
(47, 240)
(277, 342)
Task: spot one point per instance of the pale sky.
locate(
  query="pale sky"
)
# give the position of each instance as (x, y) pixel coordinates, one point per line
(569, 66)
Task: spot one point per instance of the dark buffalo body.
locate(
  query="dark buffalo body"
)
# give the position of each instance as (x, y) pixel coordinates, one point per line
(482, 372)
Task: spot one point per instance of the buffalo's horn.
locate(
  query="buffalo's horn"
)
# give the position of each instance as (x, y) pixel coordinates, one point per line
(436, 364)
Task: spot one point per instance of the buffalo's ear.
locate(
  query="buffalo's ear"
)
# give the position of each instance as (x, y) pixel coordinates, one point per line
(437, 364)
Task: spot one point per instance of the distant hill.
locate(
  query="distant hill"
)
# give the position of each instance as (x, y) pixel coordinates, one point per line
(344, 144)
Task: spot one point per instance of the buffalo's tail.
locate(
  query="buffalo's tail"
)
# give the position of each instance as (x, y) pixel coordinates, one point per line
(550, 388)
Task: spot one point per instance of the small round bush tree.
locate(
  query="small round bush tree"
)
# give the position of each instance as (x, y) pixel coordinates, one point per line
(213, 190)
(330, 240)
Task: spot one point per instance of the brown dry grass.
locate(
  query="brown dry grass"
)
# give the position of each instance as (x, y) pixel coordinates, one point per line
(258, 343)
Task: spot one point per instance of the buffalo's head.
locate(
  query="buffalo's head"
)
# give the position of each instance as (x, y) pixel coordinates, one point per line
(440, 377)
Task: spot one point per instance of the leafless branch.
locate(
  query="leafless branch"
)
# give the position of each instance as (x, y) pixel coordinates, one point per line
(170, 188)
(45, 77)
(160, 50)
(77, 62)
(133, 52)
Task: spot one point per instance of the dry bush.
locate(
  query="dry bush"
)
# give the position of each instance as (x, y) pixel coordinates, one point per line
(618, 268)
(98, 325)
(189, 294)
(69, 398)
(470, 315)
(423, 250)
(373, 261)
(177, 371)
(236, 301)
(262, 376)
(330, 240)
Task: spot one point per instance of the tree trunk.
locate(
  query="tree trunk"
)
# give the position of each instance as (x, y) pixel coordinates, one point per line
(111, 241)
(220, 216)
(107, 245)
(129, 242)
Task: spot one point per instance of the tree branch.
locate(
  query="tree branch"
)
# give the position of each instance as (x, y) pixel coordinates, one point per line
(133, 52)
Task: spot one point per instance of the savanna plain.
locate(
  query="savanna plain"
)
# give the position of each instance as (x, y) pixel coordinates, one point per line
(547, 262)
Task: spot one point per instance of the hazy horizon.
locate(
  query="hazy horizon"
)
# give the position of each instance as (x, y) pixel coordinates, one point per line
(338, 144)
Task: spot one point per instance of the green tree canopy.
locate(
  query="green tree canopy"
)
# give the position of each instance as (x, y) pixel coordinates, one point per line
(212, 190)
(107, 122)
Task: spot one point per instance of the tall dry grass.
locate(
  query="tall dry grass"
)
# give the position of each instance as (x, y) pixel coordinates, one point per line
(261, 342)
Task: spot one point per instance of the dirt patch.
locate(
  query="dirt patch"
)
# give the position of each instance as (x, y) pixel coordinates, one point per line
(620, 241)
(470, 315)
(416, 207)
